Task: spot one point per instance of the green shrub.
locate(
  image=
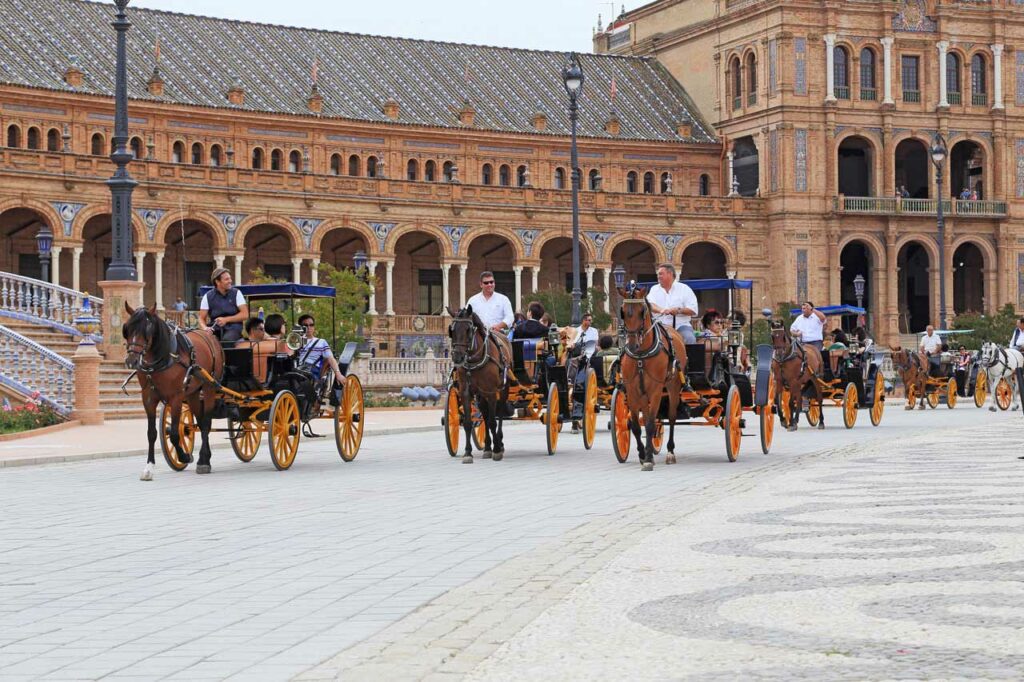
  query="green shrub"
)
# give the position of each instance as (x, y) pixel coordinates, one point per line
(31, 415)
(997, 328)
(558, 304)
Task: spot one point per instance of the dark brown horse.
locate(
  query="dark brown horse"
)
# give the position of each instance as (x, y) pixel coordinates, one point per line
(913, 369)
(481, 359)
(165, 368)
(652, 364)
(796, 365)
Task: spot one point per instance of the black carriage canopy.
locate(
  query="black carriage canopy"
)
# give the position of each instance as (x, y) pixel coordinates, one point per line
(723, 284)
(279, 291)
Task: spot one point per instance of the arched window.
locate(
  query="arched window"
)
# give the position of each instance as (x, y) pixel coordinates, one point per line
(841, 72)
(14, 136)
(33, 138)
(979, 88)
(868, 91)
(294, 161)
(257, 159)
(737, 83)
(412, 170)
(136, 147)
(559, 178)
(521, 176)
(504, 175)
(487, 174)
(371, 166)
(215, 155)
(53, 140)
(648, 182)
(446, 171)
(197, 154)
(705, 185)
(335, 164)
(631, 178)
(594, 180)
(353, 165)
(751, 79)
(954, 88)
(177, 151)
(430, 171)
(276, 160)
(664, 183)
(95, 144)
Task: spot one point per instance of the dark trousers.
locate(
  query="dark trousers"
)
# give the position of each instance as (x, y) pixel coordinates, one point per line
(816, 344)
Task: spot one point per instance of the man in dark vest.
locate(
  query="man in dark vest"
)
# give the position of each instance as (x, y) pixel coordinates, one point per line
(223, 309)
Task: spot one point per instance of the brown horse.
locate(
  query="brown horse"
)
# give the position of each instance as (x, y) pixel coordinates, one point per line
(796, 365)
(158, 356)
(652, 364)
(481, 359)
(913, 369)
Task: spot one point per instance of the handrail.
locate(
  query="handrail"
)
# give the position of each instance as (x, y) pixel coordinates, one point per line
(28, 367)
(41, 301)
(886, 205)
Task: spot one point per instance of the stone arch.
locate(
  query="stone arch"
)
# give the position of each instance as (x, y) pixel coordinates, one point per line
(925, 240)
(171, 220)
(619, 237)
(915, 286)
(20, 223)
(44, 209)
(875, 247)
(444, 243)
(912, 166)
(987, 250)
(90, 212)
(960, 175)
(294, 236)
(493, 230)
(857, 164)
(546, 235)
(731, 257)
(372, 243)
(860, 255)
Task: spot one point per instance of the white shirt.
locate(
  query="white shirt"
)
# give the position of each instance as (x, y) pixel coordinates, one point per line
(314, 351)
(809, 326)
(239, 300)
(588, 337)
(492, 311)
(1017, 340)
(679, 296)
(931, 344)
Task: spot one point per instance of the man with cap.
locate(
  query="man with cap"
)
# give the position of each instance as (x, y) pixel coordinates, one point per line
(223, 309)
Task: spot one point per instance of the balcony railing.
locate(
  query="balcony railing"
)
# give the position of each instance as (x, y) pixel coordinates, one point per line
(751, 99)
(897, 205)
(979, 99)
(842, 92)
(38, 301)
(737, 103)
(868, 94)
(954, 97)
(398, 372)
(911, 95)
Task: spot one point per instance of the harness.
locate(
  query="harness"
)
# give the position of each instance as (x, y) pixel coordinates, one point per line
(178, 344)
(469, 363)
(655, 349)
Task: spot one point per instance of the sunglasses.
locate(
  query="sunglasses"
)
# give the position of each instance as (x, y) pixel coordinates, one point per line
(486, 283)
(308, 324)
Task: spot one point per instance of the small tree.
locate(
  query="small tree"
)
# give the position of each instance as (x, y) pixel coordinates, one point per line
(997, 328)
(762, 327)
(558, 304)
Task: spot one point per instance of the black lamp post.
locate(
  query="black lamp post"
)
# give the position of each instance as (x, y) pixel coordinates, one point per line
(360, 259)
(572, 78)
(122, 265)
(939, 151)
(858, 291)
(44, 242)
(619, 273)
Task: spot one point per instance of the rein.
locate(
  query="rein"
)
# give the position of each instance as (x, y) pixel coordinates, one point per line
(469, 363)
(164, 358)
(656, 346)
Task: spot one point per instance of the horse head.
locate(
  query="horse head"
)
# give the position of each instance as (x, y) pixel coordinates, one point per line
(635, 313)
(463, 333)
(142, 332)
(987, 355)
(781, 340)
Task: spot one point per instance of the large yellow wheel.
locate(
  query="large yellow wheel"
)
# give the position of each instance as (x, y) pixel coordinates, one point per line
(785, 415)
(981, 388)
(878, 404)
(452, 421)
(658, 438)
(479, 430)
(911, 395)
(1004, 394)
(621, 435)
(814, 412)
(285, 430)
(851, 401)
(733, 418)
(590, 410)
(551, 419)
(951, 394)
(932, 397)
(186, 435)
(349, 419)
(766, 414)
(245, 438)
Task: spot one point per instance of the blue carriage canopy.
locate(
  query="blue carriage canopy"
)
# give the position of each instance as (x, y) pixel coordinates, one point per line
(278, 290)
(832, 310)
(708, 284)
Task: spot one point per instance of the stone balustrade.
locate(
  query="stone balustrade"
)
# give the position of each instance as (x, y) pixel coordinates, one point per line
(27, 367)
(37, 301)
(395, 373)
(924, 207)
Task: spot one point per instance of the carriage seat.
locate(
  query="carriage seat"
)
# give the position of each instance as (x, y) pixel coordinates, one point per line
(347, 354)
(939, 365)
(607, 362)
(697, 363)
(524, 358)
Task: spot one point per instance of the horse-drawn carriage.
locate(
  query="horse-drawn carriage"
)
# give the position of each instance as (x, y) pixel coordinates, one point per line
(853, 382)
(283, 402)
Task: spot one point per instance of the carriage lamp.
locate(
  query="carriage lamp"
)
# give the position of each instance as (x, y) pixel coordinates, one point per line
(619, 273)
(572, 77)
(360, 259)
(44, 242)
(858, 290)
(767, 313)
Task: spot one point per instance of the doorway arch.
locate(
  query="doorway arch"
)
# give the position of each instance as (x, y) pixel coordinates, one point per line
(914, 263)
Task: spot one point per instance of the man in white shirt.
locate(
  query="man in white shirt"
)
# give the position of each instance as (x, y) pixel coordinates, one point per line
(931, 343)
(1017, 340)
(223, 309)
(673, 303)
(494, 309)
(809, 326)
(586, 336)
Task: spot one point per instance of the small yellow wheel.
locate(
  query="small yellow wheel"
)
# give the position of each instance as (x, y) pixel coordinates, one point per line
(785, 415)
(621, 435)
(285, 431)
(878, 404)
(733, 418)
(349, 419)
(186, 435)
(850, 405)
(951, 395)
(452, 421)
(814, 412)
(551, 420)
(766, 414)
(932, 397)
(245, 438)
(911, 395)
(1004, 394)
(590, 410)
(981, 388)
(479, 431)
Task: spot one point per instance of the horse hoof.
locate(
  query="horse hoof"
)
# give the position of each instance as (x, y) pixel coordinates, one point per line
(185, 458)
(468, 459)
(647, 466)
(497, 456)
(487, 454)
(670, 459)
(921, 408)
(204, 469)
(791, 428)
(821, 426)
(147, 474)
(992, 409)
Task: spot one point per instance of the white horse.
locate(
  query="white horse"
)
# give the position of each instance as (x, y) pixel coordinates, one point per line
(1001, 363)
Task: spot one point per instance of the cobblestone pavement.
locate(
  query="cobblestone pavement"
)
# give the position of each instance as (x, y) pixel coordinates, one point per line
(406, 563)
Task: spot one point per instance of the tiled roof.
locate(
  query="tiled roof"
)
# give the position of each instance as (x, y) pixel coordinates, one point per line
(202, 57)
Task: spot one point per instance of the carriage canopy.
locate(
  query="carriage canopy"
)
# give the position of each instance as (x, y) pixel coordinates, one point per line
(835, 310)
(278, 290)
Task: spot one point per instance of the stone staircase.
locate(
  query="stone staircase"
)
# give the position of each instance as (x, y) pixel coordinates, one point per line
(114, 403)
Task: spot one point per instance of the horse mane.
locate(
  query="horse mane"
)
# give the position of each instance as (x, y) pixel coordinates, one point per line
(161, 339)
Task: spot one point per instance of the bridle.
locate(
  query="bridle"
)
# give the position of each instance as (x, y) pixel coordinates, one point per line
(632, 350)
(138, 350)
(470, 361)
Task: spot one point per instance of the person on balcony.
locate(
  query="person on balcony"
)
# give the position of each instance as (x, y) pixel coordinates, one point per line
(180, 305)
(223, 309)
(493, 309)
(965, 194)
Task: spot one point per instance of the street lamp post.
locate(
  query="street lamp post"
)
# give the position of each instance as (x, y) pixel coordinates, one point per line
(122, 265)
(44, 242)
(619, 273)
(359, 260)
(572, 78)
(858, 291)
(939, 151)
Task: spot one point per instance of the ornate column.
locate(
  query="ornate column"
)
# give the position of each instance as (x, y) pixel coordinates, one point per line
(218, 260)
(997, 60)
(991, 284)
(314, 272)
(534, 274)
(140, 264)
(462, 282)
(238, 258)
(297, 270)
(892, 288)
(388, 288)
(518, 274)
(445, 298)
(887, 70)
(835, 270)
(942, 46)
(372, 269)
(589, 272)
(55, 265)
(731, 176)
(607, 272)
(158, 276)
(76, 269)
(830, 72)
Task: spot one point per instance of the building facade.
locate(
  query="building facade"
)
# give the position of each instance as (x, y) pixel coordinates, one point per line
(827, 111)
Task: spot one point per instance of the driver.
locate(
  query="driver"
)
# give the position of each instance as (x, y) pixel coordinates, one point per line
(673, 302)
(809, 325)
(223, 309)
(315, 350)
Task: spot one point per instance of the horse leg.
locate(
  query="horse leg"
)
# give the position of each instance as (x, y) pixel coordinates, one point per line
(205, 421)
(821, 403)
(150, 405)
(487, 412)
(796, 402)
(673, 408)
(499, 436)
(650, 421)
(635, 429)
(467, 423)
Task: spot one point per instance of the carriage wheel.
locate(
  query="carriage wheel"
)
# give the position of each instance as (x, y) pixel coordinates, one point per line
(851, 401)
(932, 397)
(245, 438)
(621, 436)
(1004, 394)
(782, 398)
(659, 437)
(766, 414)
(951, 395)
(980, 389)
(284, 430)
(186, 435)
(348, 419)
(911, 395)
(553, 423)
(590, 410)
(878, 404)
(479, 430)
(814, 413)
(452, 421)
(733, 417)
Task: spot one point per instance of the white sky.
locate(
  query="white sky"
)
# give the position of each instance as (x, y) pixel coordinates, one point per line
(535, 24)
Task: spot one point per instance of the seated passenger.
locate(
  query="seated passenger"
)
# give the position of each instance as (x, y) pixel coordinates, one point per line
(271, 344)
(838, 349)
(532, 328)
(316, 350)
(253, 333)
(605, 349)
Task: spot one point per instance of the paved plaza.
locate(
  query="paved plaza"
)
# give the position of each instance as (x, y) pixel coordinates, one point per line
(874, 553)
